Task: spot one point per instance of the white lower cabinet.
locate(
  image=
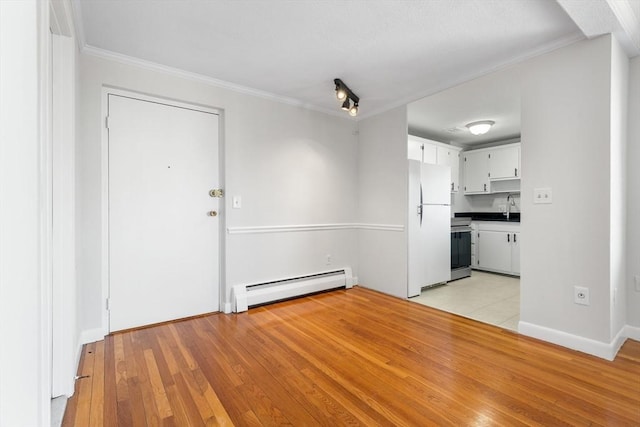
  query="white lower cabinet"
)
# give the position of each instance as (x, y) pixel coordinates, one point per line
(515, 254)
(497, 248)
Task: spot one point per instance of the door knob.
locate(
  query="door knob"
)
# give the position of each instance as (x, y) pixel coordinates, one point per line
(213, 213)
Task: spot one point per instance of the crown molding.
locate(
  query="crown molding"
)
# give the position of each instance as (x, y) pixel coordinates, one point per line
(76, 15)
(201, 78)
(449, 83)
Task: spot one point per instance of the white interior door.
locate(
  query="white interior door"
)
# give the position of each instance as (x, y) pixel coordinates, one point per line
(163, 244)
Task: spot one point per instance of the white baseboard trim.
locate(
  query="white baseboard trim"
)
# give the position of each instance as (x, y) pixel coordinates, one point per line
(227, 308)
(631, 332)
(91, 335)
(600, 349)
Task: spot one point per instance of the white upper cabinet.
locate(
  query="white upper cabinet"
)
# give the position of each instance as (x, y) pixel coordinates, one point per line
(414, 149)
(430, 154)
(476, 172)
(421, 149)
(436, 153)
(492, 170)
(449, 156)
(504, 162)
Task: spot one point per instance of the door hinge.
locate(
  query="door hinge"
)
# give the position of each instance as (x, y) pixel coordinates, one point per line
(107, 305)
(106, 122)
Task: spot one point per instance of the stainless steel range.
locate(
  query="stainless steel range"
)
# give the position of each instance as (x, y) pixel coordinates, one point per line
(460, 247)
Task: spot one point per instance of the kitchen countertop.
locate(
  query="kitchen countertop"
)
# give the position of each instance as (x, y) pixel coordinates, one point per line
(490, 216)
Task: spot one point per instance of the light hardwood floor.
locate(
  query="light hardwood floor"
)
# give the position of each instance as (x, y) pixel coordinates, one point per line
(352, 357)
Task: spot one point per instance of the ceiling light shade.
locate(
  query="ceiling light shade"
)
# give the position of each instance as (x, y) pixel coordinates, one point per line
(346, 105)
(481, 127)
(353, 111)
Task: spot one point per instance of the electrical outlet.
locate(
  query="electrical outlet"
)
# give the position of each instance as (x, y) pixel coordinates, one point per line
(328, 259)
(581, 295)
(636, 280)
(236, 202)
(542, 195)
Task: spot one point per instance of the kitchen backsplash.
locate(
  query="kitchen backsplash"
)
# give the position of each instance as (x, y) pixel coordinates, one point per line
(484, 203)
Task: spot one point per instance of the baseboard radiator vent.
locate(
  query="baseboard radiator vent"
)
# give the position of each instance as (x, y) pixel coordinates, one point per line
(245, 296)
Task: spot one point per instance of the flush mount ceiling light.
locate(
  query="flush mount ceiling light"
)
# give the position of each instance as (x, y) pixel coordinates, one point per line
(343, 93)
(481, 127)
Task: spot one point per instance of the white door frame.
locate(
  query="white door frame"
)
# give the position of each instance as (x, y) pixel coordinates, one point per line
(106, 91)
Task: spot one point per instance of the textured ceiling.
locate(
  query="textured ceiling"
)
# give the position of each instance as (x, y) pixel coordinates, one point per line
(388, 52)
(443, 116)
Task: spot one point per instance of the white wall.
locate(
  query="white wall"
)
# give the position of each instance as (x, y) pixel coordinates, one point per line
(24, 215)
(65, 328)
(566, 145)
(291, 166)
(618, 201)
(633, 195)
(382, 192)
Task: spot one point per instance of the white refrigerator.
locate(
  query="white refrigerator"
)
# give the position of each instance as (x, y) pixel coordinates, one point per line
(429, 225)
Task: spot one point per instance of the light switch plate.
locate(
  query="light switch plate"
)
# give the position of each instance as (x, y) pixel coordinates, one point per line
(542, 195)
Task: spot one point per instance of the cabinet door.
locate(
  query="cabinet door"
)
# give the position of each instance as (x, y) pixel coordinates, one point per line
(504, 163)
(450, 157)
(515, 253)
(476, 171)
(414, 150)
(430, 154)
(455, 170)
(494, 250)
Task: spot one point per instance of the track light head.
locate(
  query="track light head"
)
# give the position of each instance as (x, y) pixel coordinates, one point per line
(353, 111)
(346, 105)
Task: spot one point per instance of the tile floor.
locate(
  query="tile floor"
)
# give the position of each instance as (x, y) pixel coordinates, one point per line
(486, 297)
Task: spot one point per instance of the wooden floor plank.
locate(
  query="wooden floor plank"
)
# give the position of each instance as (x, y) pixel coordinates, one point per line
(353, 357)
(97, 387)
(69, 418)
(83, 411)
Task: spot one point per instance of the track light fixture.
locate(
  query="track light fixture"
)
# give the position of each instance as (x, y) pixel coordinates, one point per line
(343, 93)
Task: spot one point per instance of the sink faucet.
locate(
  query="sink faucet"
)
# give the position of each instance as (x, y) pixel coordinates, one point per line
(510, 202)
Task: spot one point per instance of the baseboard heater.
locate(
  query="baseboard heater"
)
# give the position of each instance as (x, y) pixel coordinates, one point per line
(245, 296)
